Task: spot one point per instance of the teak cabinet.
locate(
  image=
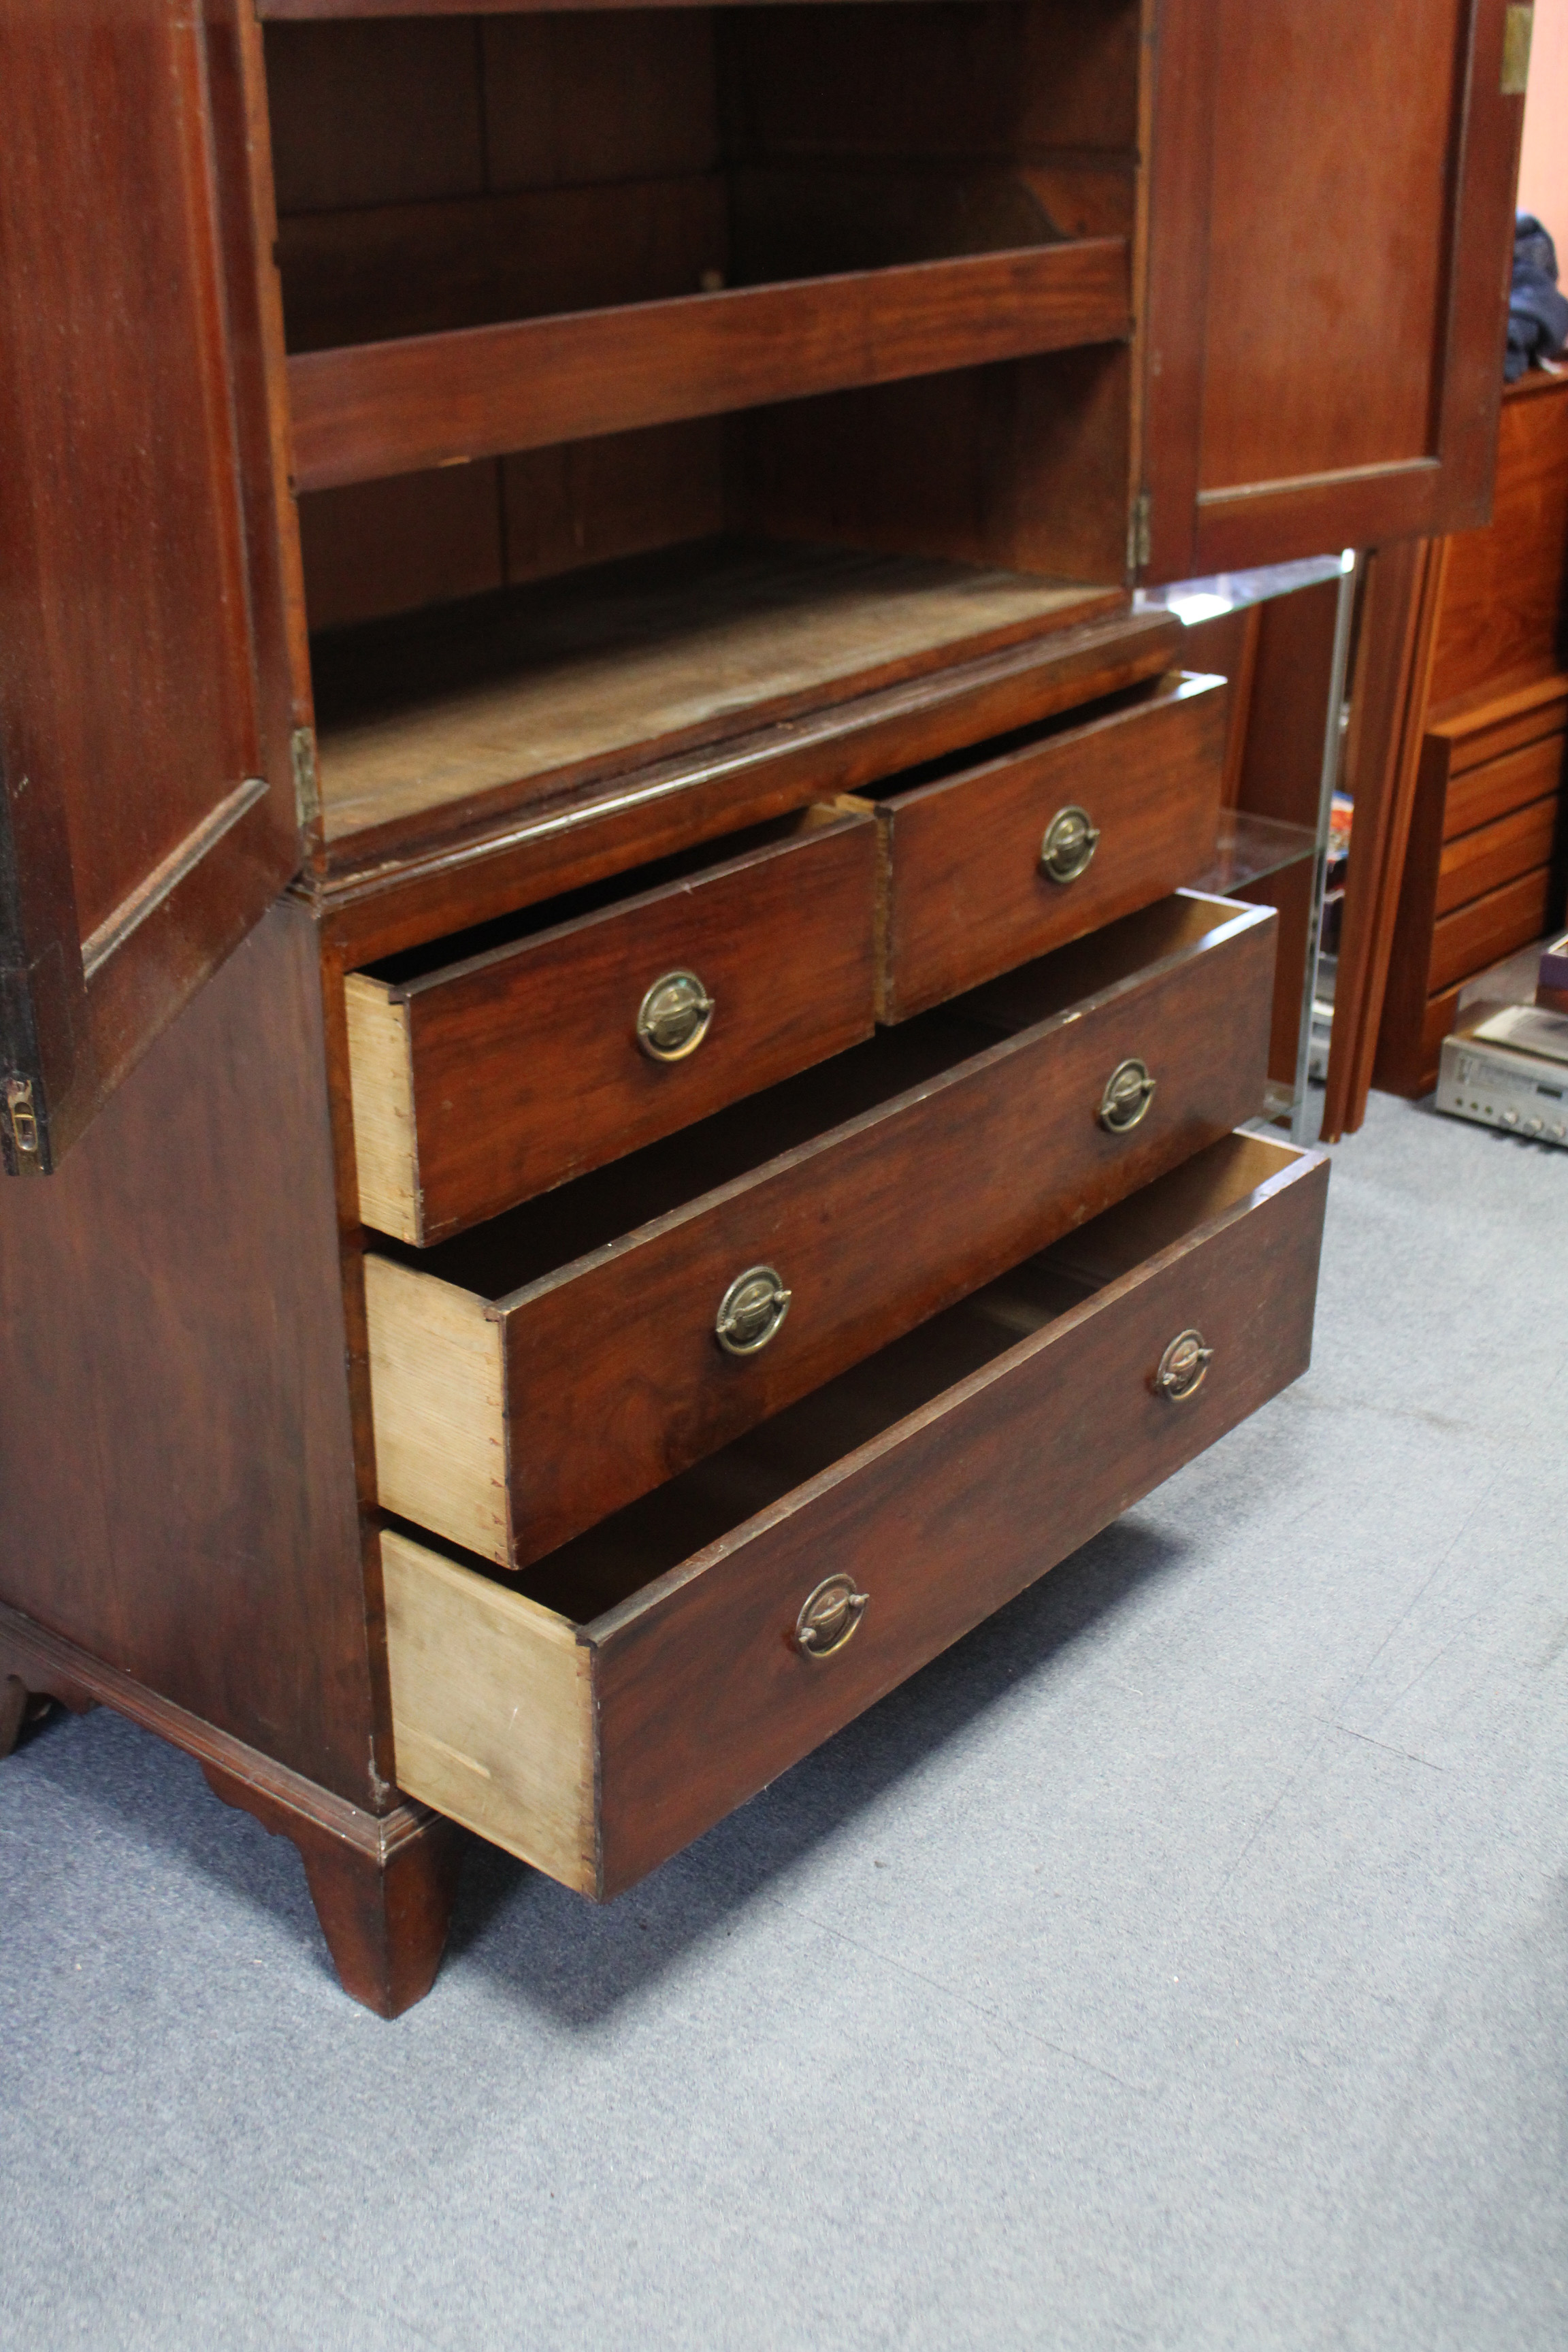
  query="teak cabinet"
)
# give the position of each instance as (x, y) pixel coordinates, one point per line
(1484, 870)
(608, 1071)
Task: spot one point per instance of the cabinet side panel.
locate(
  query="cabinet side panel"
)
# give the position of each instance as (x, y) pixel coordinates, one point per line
(175, 1448)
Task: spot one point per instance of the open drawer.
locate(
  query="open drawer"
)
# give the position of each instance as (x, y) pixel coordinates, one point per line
(989, 862)
(490, 1067)
(599, 1712)
(532, 1376)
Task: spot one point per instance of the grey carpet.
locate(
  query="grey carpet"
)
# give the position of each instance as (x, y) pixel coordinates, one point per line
(1180, 1961)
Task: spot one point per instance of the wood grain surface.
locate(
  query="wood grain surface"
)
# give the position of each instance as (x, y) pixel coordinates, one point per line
(1497, 853)
(880, 1189)
(392, 407)
(1487, 829)
(502, 862)
(1479, 795)
(151, 820)
(493, 1710)
(1504, 598)
(943, 1476)
(702, 1697)
(518, 697)
(176, 1449)
(1492, 926)
(967, 894)
(523, 1067)
(388, 272)
(1343, 410)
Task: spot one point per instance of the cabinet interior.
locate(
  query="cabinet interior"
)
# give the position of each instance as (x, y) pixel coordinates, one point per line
(625, 183)
(598, 1570)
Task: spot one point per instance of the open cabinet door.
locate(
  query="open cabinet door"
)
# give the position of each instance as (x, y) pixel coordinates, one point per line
(147, 814)
(1325, 356)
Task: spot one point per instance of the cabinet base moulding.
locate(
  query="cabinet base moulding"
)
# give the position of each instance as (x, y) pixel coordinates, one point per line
(382, 1883)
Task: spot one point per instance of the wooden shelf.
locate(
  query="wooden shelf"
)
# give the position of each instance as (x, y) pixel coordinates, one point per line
(512, 699)
(366, 411)
(300, 11)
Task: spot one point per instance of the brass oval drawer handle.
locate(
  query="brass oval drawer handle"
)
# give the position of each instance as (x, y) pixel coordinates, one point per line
(829, 1617)
(1069, 844)
(750, 1311)
(674, 1017)
(1183, 1367)
(1128, 1091)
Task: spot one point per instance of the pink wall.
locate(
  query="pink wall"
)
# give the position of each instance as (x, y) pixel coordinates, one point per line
(1544, 165)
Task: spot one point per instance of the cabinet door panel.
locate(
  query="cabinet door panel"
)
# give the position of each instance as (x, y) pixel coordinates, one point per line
(141, 833)
(1328, 256)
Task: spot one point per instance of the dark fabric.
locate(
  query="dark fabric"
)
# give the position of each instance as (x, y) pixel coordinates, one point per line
(1537, 312)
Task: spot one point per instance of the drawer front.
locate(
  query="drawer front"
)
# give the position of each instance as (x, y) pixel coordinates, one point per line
(481, 1086)
(968, 892)
(701, 1693)
(593, 1387)
(1496, 853)
(1481, 795)
(1490, 929)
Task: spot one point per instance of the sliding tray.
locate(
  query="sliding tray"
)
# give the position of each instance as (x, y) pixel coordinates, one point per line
(536, 1374)
(632, 1689)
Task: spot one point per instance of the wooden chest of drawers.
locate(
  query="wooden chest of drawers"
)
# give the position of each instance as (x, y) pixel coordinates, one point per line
(1486, 866)
(620, 1119)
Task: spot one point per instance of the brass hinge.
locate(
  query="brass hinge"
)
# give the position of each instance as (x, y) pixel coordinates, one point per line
(306, 784)
(1518, 24)
(1140, 532)
(22, 1125)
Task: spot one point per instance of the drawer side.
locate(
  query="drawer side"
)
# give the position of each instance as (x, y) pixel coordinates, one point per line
(439, 1403)
(381, 1082)
(493, 1712)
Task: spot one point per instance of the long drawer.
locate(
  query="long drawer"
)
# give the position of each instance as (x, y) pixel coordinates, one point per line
(1490, 927)
(531, 1377)
(989, 864)
(601, 1711)
(1479, 795)
(1494, 854)
(489, 1069)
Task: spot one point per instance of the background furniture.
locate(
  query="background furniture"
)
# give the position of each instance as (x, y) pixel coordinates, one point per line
(720, 1167)
(1484, 870)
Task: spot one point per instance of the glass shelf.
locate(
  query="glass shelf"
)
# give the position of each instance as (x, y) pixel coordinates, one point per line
(1248, 847)
(1193, 601)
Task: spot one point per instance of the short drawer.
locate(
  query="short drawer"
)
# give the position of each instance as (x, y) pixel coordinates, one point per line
(488, 1069)
(999, 862)
(601, 1711)
(532, 1376)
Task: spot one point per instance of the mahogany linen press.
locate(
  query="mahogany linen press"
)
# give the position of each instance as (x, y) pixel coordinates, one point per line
(619, 1117)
